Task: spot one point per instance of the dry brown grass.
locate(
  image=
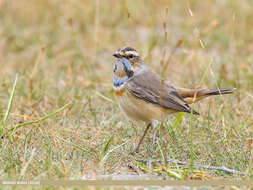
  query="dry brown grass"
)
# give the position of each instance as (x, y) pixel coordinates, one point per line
(62, 51)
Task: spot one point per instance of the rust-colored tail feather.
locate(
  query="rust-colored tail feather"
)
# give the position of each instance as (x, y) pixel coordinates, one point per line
(193, 95)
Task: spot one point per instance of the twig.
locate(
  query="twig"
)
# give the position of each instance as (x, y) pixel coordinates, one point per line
(222, 168)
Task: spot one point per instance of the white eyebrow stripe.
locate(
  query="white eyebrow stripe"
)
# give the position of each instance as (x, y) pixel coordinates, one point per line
(131, 53)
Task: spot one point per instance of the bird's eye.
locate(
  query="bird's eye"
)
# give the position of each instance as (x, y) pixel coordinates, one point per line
(130, 56)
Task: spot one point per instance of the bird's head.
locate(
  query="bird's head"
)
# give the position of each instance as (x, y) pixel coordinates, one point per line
(127, 62)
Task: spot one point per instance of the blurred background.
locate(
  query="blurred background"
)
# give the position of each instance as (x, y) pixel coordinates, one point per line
(62, 51)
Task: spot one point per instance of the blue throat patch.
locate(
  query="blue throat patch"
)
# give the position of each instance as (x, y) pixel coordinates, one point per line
(126, 63)
(117, 81)
(127, 67)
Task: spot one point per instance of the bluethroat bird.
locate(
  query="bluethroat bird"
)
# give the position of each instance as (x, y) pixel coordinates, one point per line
(144, 96)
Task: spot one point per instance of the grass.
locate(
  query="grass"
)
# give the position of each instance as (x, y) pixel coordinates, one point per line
(62, 52)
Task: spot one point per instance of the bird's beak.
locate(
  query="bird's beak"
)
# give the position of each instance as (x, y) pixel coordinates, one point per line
(116, 55)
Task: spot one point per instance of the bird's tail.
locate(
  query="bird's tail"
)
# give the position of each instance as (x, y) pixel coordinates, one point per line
(194, 95)
(218, 91)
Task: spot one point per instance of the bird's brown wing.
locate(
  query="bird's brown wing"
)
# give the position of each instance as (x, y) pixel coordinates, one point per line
(149, 86)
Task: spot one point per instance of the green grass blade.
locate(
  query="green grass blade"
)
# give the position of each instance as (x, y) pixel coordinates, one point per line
(107, 146)
(113, 149)
(163, 154)
(174, 174)
(143, 166)
(179, 120)
(106, 98)
(7, 113)
(205, 73)
(40, 119)
(73, 144)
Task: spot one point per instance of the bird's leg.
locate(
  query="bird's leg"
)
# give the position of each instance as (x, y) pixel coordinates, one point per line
(155, 125)
(142, 138)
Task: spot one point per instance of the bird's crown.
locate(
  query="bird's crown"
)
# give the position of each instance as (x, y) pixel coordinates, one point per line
(126, 52)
